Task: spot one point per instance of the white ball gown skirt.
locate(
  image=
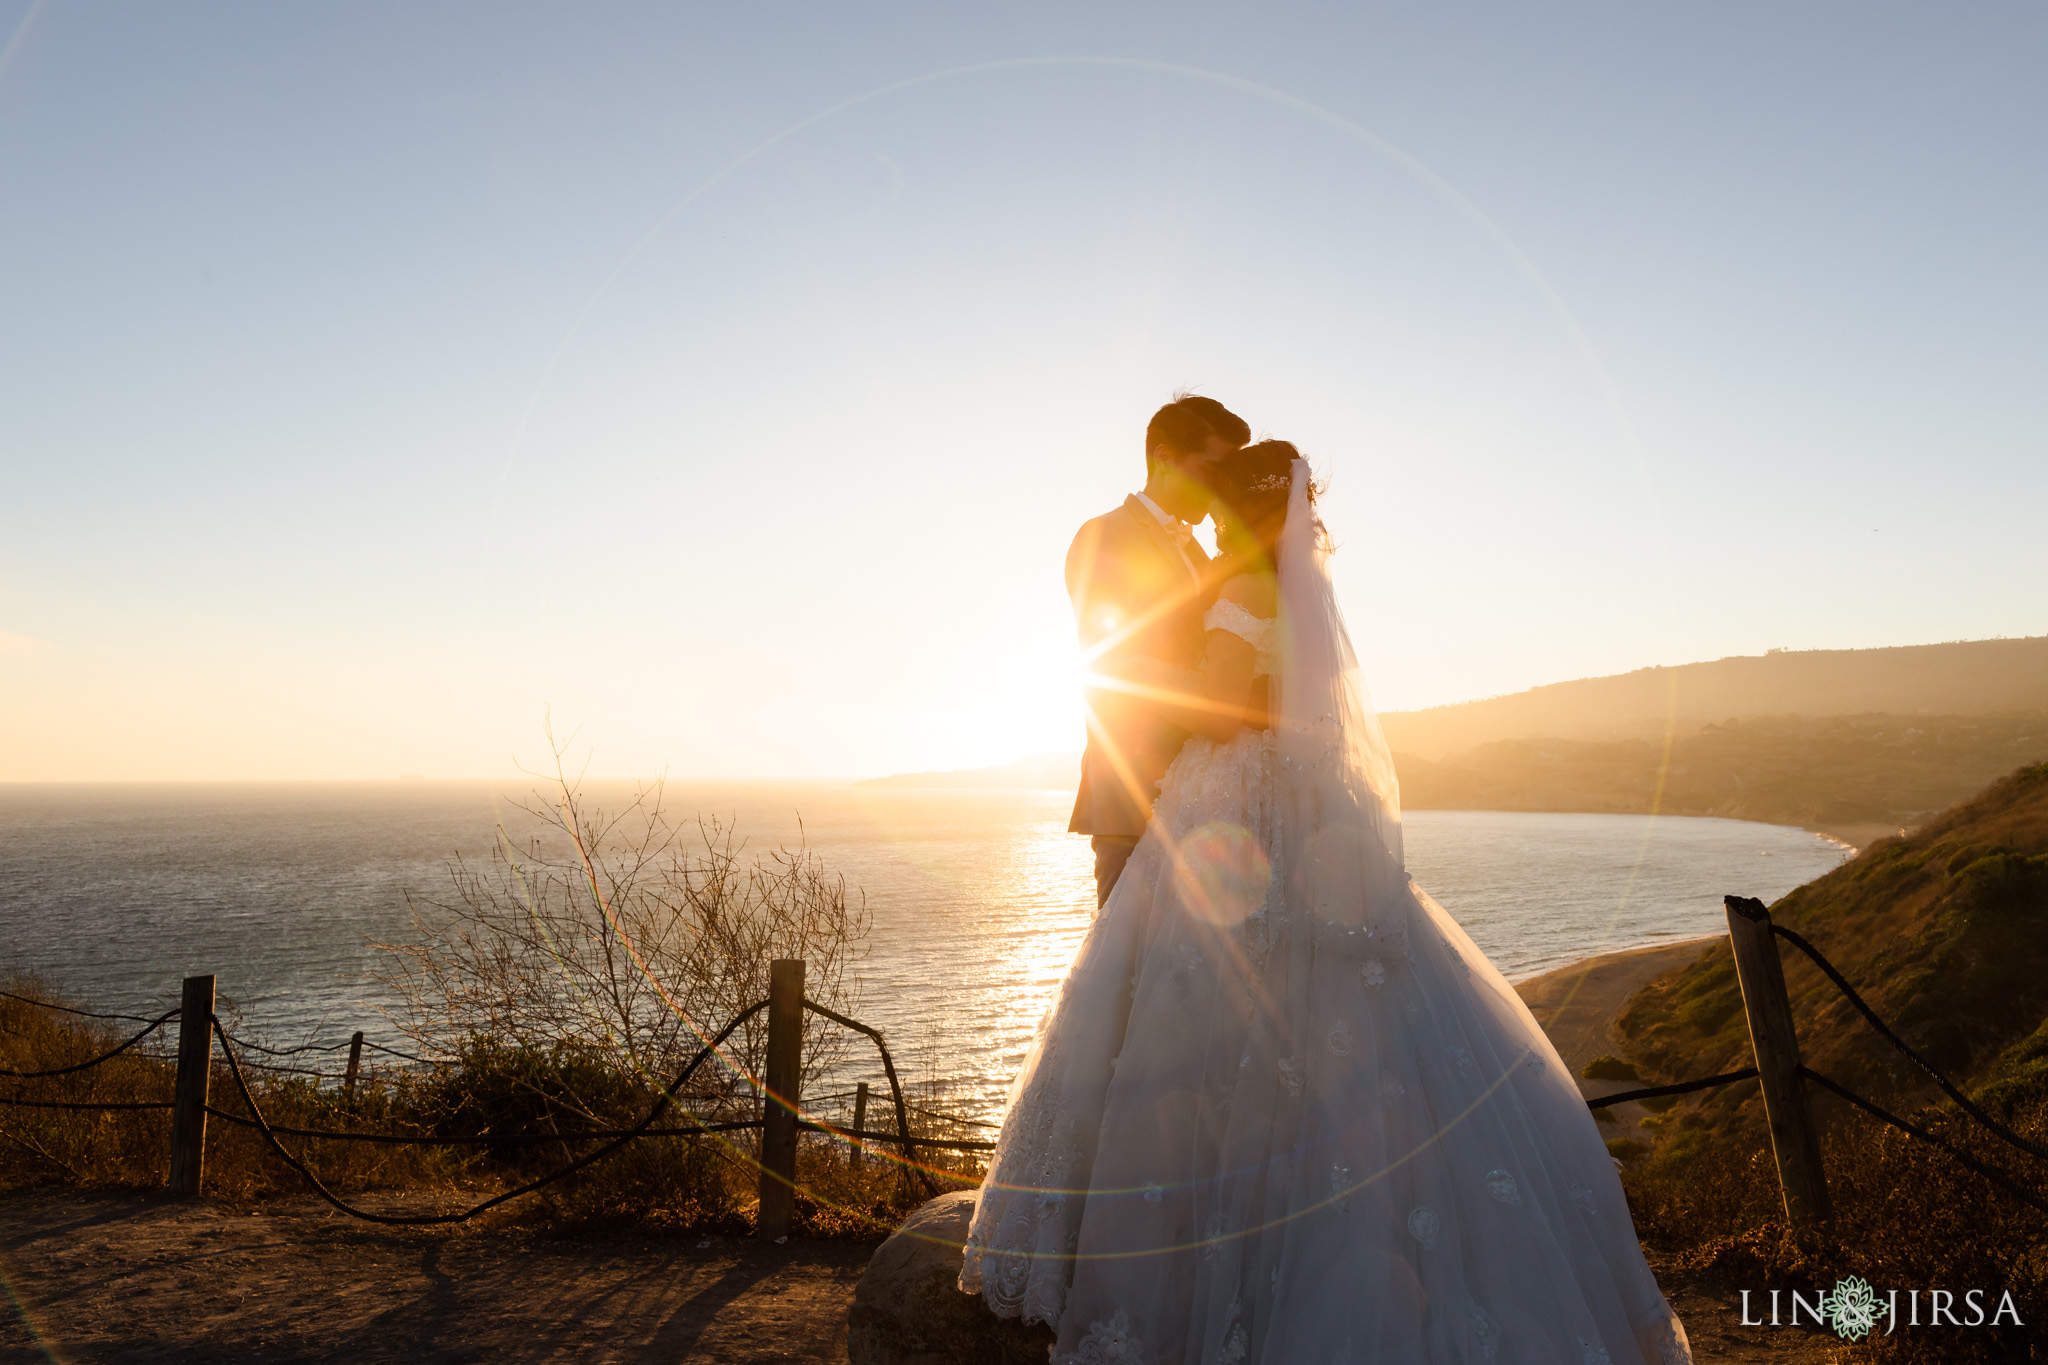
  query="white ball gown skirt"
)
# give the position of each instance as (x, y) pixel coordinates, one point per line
(1250, 1132)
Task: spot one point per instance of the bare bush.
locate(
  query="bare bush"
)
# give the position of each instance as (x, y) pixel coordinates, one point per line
(628, 938)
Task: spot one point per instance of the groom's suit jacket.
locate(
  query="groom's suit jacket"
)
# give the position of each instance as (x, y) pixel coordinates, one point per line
(1136, 594)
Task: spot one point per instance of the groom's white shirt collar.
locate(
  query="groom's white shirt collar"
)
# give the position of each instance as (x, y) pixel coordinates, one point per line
(1182, 533)
(1167, 519)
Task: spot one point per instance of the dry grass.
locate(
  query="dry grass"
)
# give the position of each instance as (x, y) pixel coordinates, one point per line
(131, 1149)
(1906, 1217)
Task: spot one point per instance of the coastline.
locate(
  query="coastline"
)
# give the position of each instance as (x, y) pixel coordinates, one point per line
(1577, 1004)
(1854, 837)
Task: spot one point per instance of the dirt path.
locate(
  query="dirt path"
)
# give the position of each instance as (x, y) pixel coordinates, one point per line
(114, 1278)
(126, 1279)
(1577, 1005)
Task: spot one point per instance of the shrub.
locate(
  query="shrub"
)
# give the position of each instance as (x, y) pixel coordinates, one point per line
(578, 973)
(628, 936)
(1610, 1068)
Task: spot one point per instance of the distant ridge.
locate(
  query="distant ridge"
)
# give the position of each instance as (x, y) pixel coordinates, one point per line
(1049, 772)
(1962, 678)
(1869, 688)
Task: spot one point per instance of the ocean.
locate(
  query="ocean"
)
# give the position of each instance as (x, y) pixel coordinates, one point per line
(113, 892)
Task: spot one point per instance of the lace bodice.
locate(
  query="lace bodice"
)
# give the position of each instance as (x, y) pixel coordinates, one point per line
(1256, 631)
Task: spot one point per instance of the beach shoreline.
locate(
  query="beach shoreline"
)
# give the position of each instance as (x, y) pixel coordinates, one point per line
(1854, 837)
(1578, 1004)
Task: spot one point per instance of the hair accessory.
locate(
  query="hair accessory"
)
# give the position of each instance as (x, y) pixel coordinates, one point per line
(1272, 483)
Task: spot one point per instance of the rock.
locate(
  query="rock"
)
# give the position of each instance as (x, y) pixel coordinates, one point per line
(908, 1308)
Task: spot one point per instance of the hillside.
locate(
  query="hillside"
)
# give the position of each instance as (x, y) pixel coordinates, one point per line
(1944, 932)
(1965, 678)
(1857, 743)
(1857, 777)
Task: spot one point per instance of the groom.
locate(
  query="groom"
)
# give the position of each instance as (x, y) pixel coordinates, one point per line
(1140, 587)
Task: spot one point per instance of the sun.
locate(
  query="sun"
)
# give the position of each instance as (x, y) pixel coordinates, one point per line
(1027, 702)
(1044, 705)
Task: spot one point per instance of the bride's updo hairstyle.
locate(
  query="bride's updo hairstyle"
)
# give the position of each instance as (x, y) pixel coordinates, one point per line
(1253, 485)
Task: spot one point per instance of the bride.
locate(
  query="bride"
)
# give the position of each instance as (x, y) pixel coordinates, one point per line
(1283, 1110)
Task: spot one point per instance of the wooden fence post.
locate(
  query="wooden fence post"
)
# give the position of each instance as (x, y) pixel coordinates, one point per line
(856, 1155)
(355, 1066)
(195, 1071)
(779, 1104)
(1800, 1173)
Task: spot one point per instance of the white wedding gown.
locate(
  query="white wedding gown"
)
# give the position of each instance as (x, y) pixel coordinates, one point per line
(1283, 1110)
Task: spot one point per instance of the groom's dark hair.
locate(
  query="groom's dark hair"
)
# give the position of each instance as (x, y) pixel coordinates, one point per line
(1187, 423)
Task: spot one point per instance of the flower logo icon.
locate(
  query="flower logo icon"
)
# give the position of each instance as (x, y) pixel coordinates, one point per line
(1851, 1308)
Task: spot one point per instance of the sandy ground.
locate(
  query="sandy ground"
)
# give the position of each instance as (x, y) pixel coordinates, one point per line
(141, 1278)
(1577, 1005)
(1857, 837)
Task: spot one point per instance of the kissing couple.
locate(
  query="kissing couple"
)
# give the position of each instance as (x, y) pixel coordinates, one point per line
(1282, 1109)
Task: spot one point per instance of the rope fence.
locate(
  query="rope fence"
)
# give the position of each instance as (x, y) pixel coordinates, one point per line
(1748, 1073)
(477, 1139)
(1776, 1046)
(103, 1057)
(439, 1219)
(247, 1046)
(1990, 1173)
(1884, 1030)
(356, 1044)
(191, 1108)
(66, 1009)
(99, 1104)
(1751, 932)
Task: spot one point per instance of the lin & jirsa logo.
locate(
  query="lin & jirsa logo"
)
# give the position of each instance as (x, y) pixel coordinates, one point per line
(1853, 1309)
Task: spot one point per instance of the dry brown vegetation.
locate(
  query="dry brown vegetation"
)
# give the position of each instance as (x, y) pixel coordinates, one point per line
(130, 1149)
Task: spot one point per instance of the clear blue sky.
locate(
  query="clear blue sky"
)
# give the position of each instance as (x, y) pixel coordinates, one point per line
(729, 380)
